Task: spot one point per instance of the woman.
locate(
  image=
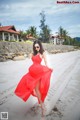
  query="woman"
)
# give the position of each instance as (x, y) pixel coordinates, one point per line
(37, 80)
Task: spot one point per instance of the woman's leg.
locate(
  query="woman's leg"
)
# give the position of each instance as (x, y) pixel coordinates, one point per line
(39, 96)
(38, 92)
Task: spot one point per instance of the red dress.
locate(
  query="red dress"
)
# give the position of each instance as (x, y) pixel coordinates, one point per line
(37, 72)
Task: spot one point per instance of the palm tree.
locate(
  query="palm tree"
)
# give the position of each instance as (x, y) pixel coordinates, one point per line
(32, 31)
(63, 34)
(65, 37)
(60, 32)
(22, 35)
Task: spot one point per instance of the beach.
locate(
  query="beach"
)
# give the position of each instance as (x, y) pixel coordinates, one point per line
(63, 95)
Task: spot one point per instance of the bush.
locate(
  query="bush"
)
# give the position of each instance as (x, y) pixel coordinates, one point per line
(29, 41)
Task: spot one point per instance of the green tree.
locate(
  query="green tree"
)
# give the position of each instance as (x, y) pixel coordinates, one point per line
(32, 31)
(22, 35)
(45, 30)
(0, 24)
(60, 32)
(65, 37)
(63, 34)
(46, 33)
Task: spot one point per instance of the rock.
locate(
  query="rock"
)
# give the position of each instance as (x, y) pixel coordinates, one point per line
(55, 51)
(19, 58)
(55, 109)
(2, 58)
(21, 50)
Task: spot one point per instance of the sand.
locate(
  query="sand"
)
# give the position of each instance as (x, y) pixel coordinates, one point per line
(63, 95)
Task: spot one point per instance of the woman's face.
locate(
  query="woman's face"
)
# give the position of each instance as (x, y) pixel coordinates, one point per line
(37, 47)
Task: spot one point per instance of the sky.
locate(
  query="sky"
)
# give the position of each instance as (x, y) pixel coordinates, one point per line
(25, 13)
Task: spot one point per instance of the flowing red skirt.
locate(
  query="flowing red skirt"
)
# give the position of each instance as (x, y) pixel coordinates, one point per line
(28, 82)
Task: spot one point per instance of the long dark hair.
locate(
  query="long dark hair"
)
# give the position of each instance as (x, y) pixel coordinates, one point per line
(41, 47)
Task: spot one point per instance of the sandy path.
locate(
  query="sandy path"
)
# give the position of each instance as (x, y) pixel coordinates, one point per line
(11, 72)
(68, 105)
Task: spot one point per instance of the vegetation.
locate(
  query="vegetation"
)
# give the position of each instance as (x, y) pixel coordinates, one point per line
(28, 41)
(22, 35)
(63, 34)
(45, 31)
(32, 31)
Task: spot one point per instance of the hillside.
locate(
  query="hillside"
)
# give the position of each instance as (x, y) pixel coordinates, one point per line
(77, 38)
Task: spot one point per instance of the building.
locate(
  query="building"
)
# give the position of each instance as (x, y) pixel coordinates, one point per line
(56, 40)
(30, 37)
(9, 33)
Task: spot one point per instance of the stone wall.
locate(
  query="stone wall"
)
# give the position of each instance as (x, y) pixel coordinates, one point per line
(15, 50)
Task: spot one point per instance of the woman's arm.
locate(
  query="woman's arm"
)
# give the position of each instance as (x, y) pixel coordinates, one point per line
(45, 59)
(30, 55)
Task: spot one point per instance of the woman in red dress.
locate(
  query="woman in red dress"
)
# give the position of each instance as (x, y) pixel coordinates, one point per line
(37, 81)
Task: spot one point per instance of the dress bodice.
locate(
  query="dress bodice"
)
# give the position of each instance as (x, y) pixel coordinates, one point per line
(36, 59)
